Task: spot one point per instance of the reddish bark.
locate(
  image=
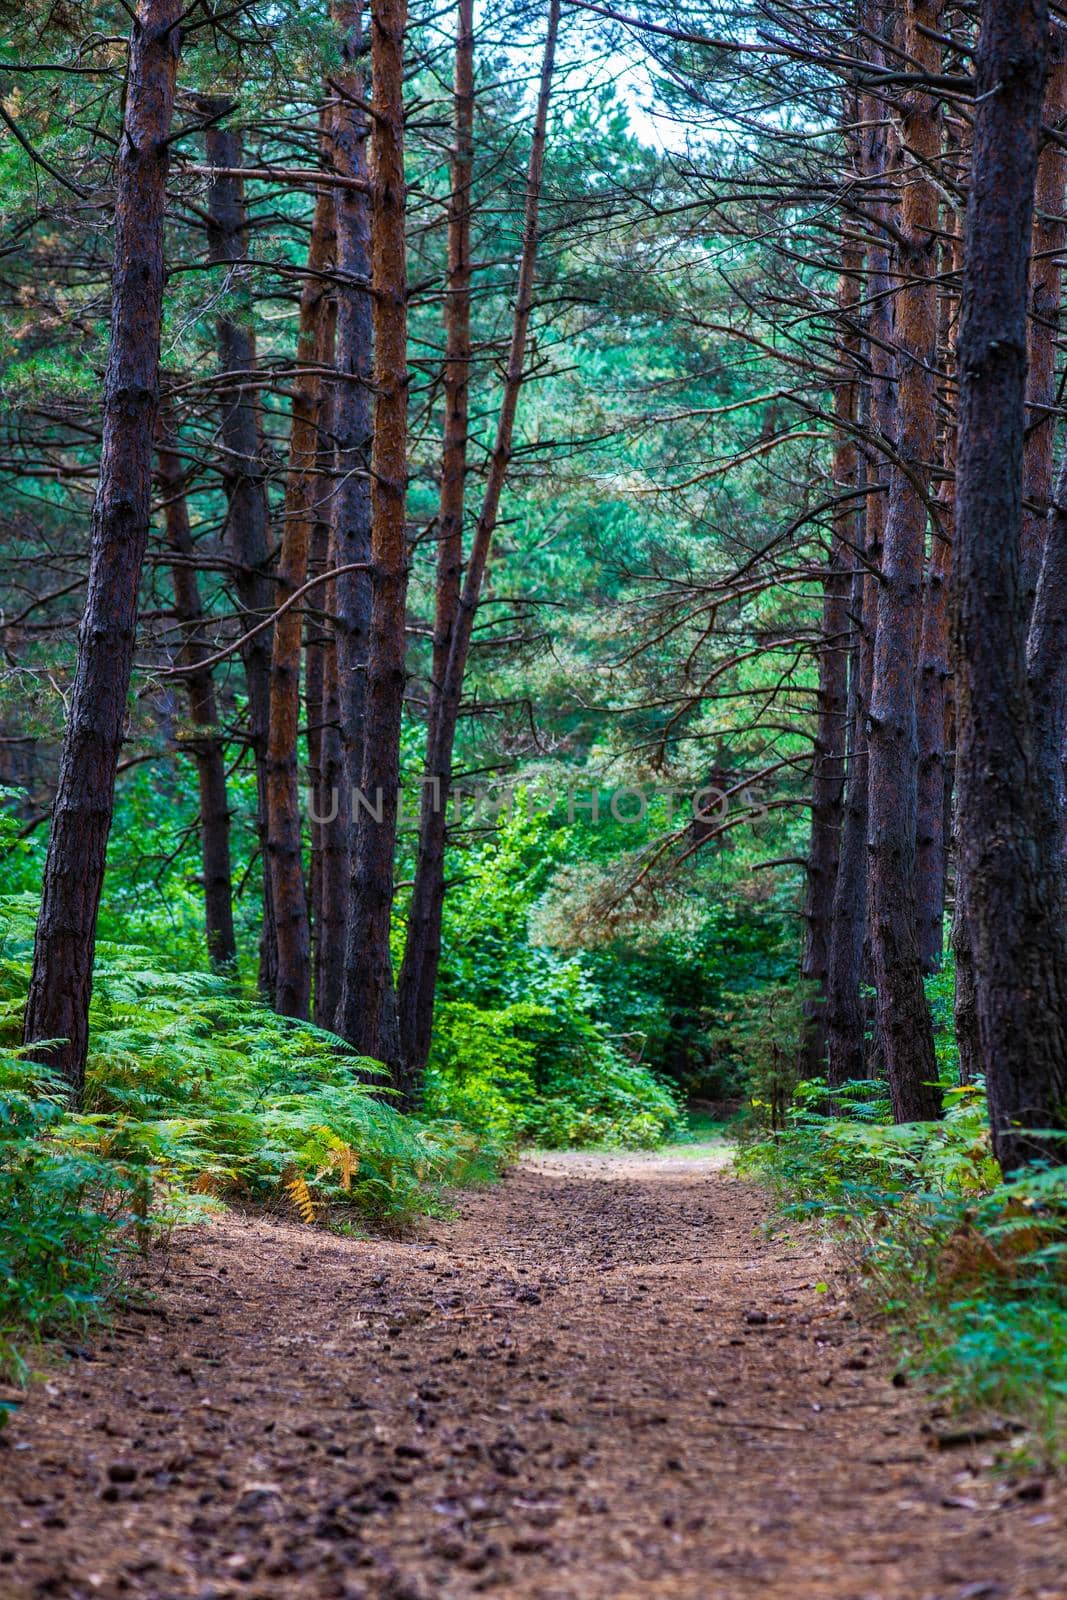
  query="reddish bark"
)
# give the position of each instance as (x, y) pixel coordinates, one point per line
(1045, 537)
(457, 351)
(205, 745)
(367, 1011)
(1046, 288)
(318, 643)
(418, 973)
(422, 951)
(329, 847)
(1014, 904)
(333, 809)
(285, 832)
(247, 518)
(904, 1026)
(61, 982)
(847, 1018)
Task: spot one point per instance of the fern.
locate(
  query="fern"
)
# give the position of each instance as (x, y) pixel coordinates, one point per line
(297, 1189)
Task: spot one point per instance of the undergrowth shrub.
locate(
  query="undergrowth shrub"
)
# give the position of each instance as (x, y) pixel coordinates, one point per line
(537, 1075)
(759, 1032)
(65, 1209)
(520, 1041)
(194, 1092)
(971, 1269)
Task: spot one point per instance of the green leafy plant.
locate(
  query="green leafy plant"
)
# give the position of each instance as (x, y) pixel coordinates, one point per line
(66, 1213)
(531, 1074)
(194, 1093)
(970, 1270)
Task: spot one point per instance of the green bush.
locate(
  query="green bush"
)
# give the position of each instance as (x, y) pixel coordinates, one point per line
(64, 1214)
(759, 1032)
(970, 1269)
(193, 1092)
(535, 1074)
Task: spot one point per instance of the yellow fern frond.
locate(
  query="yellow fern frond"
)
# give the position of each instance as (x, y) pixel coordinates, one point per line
(299, 1193)
(343, 1159)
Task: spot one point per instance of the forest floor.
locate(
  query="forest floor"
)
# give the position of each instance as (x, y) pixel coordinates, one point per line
(599, 1380)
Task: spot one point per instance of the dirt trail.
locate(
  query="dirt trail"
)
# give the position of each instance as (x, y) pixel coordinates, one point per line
(600, 1380)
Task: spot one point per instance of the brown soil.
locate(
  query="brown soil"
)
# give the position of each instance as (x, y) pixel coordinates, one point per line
(601, 1380)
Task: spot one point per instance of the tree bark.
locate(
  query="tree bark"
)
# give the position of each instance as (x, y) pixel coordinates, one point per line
(367, 1011)
(1044, 549)
(845, 1021)
(457, 352)
(1014, 906)
(329, 847)
(931, 838)
(847, 1008)
(285, 831)
(318, 643)
(904, 1025)
(61, 981)
(965, 998)
(247, 530)
(351, 515)
(333, 808)
(1046, 288)
(1046, 660)
(418, 973)
(422, 951)
(205, 745)
(936, 702)
(828, 762)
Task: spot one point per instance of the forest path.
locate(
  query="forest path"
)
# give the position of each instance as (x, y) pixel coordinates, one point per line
(601, 1381)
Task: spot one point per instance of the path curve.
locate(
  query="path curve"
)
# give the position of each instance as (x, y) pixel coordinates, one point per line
(599, 1381)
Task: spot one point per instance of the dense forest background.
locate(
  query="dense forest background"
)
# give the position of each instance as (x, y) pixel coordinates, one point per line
(532, 592)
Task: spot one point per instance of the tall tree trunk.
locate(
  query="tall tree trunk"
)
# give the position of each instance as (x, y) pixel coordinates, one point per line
(318, 643)
(328, 874)
(247, 532)
(904, 1025)
(1046, 288)
(457, 353)
(931, 837)
(935, 706)
(845, 1022)
(285, 832)
(828, 763)
(61, 982)
(849, 945)
(205, 745)
(422, 951)
(367, 1010)
(1044, 549)
(965, 1000)
(351, 508)
(418, 973)
(1014, 905)
(1047, 680)
(333, 808)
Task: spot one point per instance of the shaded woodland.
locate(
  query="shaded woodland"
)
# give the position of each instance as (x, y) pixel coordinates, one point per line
(534, 591)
